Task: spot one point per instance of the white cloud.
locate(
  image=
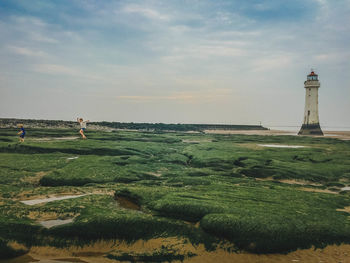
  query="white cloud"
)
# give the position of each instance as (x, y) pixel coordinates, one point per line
(29, 29)
(56, 69)
(40, 37)
(145, 11)
(231, 19)
(186, 97)
(326, 57)
(29, 20)
(272, 62)
(27, 52)
(206, 50)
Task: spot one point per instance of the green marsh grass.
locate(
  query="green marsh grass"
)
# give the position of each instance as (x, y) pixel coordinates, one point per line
(222, 187)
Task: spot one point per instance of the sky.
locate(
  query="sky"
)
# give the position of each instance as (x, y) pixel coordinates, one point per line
(184, 61)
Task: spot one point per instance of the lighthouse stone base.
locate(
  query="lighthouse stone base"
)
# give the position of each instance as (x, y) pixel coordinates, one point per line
(310, 129)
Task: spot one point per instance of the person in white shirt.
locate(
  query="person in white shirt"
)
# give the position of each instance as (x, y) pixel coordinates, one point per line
(82, 126)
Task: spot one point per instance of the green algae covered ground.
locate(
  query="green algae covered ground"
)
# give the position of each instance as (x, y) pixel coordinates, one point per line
(206, 189)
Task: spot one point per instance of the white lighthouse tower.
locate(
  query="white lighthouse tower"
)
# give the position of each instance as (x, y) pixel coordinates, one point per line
(311, 124)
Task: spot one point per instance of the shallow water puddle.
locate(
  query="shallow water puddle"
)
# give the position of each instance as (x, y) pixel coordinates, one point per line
(315, 190)
(281, 146)
(195, 141)
(56, 222)
(50, 199)
(55, 138)
(73, 158)
(157, 174)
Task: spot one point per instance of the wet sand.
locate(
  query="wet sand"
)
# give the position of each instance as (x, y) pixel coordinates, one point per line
(251, 132)
(331, 254)
(343, 135)
(98, 251)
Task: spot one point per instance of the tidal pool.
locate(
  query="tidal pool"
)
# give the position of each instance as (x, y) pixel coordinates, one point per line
(281, 146)
(72, 158)
(56, 222)
(127, 203)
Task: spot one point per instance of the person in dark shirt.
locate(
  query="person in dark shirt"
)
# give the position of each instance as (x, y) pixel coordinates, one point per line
(21, 133)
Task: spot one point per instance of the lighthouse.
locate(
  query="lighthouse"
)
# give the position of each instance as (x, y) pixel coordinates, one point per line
(311, 124)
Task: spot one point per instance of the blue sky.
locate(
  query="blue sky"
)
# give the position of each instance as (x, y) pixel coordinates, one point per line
(186, 61)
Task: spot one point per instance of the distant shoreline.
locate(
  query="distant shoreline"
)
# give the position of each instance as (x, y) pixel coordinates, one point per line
(32, 123)
(201, 128)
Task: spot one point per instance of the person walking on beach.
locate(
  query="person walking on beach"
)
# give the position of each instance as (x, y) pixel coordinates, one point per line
(21, 133)
(82, 126)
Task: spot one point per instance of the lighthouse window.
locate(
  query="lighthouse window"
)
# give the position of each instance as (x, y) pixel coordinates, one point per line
(308, 112)
(311, 77)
